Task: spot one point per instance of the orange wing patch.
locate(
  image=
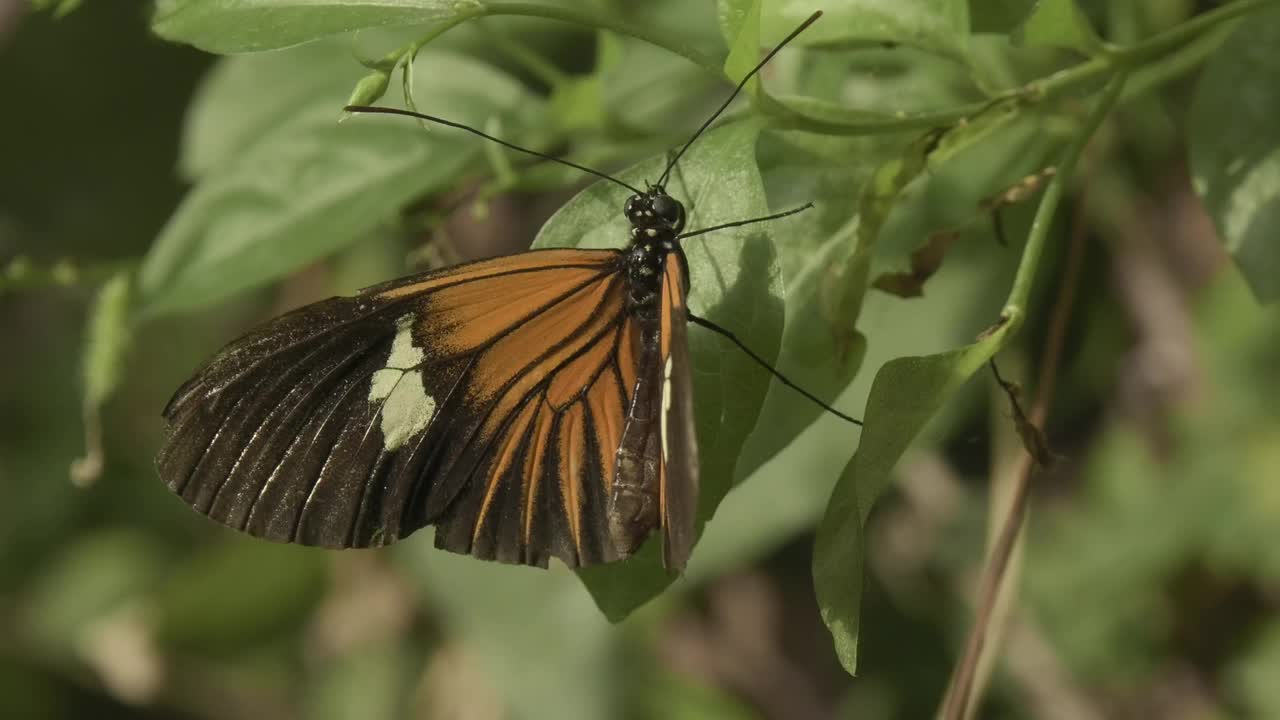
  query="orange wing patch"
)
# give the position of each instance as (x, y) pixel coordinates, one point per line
(463, 317)
(573, 461)
(507, 457)
(605, 401)
(505, 370)
(528, 262)
(572, 381)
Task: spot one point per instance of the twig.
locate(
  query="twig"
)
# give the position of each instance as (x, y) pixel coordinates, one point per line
(958, 702)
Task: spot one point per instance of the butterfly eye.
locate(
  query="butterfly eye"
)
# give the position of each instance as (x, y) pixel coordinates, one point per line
(632, 208)
(670, 210)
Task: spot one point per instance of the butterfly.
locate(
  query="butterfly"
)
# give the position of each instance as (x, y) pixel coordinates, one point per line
(529, 406)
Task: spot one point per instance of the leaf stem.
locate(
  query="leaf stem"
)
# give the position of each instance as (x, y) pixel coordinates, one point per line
(1179, 35)
(1040, 226)
(22, 273)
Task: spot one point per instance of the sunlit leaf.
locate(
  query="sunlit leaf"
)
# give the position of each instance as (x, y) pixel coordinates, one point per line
(1235, 149)
(941, 26)
(236, 26)
(906, 393)
(742, 23)
(1059, 23)
(310, 186)
(243, 99)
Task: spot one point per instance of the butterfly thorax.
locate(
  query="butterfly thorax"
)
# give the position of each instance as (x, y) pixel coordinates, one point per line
(656, 221)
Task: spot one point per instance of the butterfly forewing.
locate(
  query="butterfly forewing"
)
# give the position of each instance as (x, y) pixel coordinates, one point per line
(488, 399)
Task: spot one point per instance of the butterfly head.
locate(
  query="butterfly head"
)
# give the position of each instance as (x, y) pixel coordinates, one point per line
(655, 209)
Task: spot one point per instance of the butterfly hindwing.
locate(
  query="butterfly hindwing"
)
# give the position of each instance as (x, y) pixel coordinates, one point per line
(656, 477)
(678, 489)
(487, 399)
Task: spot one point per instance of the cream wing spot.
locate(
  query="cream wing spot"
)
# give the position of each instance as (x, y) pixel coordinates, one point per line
(666, 405)
(407, 409)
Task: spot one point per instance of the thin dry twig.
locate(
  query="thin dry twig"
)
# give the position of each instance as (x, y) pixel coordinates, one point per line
(957, 703)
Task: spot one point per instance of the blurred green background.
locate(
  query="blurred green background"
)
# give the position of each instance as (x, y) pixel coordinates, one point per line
(1151, 574)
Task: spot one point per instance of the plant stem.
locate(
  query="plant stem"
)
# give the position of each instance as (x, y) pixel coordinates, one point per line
(958, 701)
(1175, 37)
(1043, 221)
(835, 120)
(1166, 47)
(22, 273)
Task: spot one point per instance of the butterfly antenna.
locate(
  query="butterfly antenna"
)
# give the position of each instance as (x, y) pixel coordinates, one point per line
(728, 335)
(378, 110)
(662, 181)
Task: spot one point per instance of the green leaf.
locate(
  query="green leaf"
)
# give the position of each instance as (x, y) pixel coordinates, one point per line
(998, 16)
(940, 26)
(734, 283)
(1059, 23)
(243, 99)
(59, 8)
(906, 393)
(789, 488)
(309, 186)
(236, 26)
(576, 104)
(742, 24)
(644, 87)
(743, 27)
(1235, 149)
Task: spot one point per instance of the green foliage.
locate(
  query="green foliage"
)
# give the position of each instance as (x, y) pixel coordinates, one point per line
(1234, 156)
(896, 119)
(1060, 23)
(59, 8)
(231, 26)
(236, 594)
(940, 26)
(297, 190)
